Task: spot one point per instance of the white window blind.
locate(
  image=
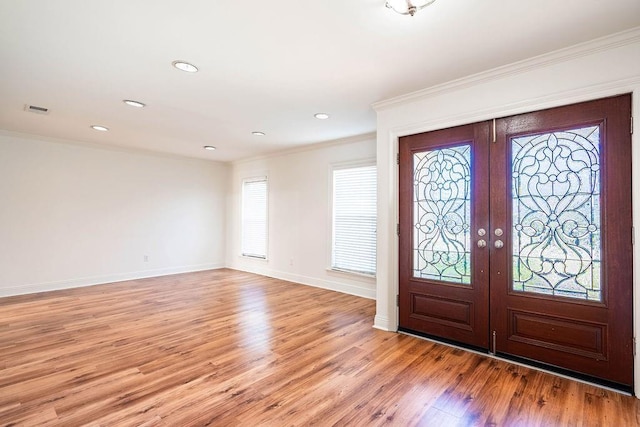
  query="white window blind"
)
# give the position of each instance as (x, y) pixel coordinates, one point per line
(354, 220)
(254, 217)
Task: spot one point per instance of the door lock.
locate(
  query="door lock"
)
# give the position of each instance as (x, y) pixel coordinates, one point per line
(482, 232)
(498, 232)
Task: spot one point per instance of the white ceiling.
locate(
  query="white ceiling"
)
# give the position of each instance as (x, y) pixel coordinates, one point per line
(264, 65)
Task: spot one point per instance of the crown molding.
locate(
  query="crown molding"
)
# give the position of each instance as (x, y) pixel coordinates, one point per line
(370, 136)
(557, 99)
(612, 41)
(105, 147)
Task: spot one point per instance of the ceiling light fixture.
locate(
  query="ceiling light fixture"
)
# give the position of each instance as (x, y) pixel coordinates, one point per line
(100, 128)
(185, 66)
(407, 7)
(321, 116)
(258, 133)
(133, 103)
(209, 147)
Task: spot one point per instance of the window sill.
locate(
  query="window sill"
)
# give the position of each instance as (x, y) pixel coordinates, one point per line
(255, 258)
(352, 274)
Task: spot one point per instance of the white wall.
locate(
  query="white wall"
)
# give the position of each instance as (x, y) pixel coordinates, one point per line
(299, 215)
(605, 67)
(75, 215)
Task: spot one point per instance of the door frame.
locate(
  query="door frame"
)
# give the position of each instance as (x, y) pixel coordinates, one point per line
(435, 109)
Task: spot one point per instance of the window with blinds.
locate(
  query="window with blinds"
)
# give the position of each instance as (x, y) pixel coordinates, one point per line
(354, 220)
(254, 217)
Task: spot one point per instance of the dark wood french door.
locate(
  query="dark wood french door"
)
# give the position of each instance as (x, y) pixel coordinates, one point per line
(516, 237)
(444, 201)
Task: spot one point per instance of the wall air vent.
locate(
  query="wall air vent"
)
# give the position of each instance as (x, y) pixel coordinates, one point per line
(36, 109)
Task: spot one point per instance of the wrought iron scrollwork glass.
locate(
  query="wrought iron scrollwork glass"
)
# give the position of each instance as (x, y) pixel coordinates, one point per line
(442, 214)
(556, 213)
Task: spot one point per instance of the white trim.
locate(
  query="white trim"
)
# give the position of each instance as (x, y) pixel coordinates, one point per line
(100, 280)
(559, 99)
(107, 147)
(347, 273)
(255, 258)
(635, 211)
(311, 281)
(383, 323)
(562, 55)
(369, 161)
(256, 179)
(309, 147)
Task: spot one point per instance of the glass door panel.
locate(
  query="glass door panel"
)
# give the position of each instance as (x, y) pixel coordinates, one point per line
(556, 213)
(442, 214)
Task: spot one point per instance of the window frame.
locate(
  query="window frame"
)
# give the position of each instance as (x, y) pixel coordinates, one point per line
(368, 162)
(256, 178)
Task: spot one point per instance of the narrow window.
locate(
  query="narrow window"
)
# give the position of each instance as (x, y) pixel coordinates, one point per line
(254, 217)
(354, 220)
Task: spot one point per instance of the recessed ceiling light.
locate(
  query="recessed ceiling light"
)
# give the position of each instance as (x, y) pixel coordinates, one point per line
(258, 133)
(209, 147)
(100, 128)
(321, 116)
(185, 66)
(133, 103)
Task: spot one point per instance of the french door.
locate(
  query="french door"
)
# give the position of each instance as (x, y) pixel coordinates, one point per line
(516, 237)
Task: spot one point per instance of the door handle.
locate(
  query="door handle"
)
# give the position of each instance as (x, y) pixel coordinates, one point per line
(498, 244)
(482, 243)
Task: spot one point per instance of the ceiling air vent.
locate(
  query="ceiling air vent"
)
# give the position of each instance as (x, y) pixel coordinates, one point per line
(36, 109)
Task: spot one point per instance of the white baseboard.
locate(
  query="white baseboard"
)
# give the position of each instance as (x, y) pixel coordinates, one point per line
(347, 288)
(99, 280)
(382, 323)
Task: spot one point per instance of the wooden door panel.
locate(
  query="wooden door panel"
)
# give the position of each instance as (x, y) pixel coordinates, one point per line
(571, 336)
(444, 311)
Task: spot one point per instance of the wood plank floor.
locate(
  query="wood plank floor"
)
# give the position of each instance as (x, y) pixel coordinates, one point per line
(229, 348)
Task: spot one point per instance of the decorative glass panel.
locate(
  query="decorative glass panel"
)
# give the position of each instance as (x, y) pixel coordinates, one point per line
(556, 213)
(442, 214)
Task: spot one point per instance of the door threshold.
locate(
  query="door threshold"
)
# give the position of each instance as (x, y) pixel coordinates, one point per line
(526, 363)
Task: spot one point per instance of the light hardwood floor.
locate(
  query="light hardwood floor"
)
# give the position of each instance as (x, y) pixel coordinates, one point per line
(229, 348)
